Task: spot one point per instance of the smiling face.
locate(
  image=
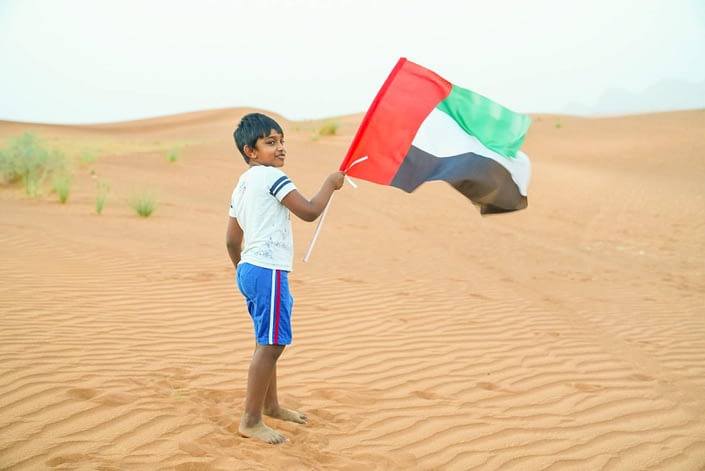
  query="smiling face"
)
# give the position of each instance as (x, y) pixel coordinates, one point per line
(268, 150)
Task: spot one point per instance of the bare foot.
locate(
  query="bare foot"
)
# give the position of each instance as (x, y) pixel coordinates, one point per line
(286, 414)
(261, 432)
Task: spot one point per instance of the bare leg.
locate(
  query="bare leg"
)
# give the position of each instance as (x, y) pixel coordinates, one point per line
(261, 374)
(272, 407)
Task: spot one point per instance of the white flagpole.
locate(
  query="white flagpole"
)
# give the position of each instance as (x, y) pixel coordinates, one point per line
(318, 229)
(325, 210)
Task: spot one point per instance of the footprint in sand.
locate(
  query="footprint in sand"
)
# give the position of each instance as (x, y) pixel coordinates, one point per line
(82, 393)
(66, 459)
(641, 377)
(488, 386)
(587, 387)
(116, 399)
(425, 395)
(192, 449)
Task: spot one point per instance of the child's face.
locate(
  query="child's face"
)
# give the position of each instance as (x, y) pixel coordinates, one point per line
(269, 150)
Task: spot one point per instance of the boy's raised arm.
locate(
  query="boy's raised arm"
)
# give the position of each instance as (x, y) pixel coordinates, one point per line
(309, 210)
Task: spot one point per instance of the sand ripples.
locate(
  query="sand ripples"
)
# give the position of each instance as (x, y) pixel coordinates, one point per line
(532, 342)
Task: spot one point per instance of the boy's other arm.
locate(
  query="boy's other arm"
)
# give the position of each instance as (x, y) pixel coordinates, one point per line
(309, 210)
(233, 240)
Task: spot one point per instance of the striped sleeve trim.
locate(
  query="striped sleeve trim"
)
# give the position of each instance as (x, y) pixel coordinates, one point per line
(278, 185)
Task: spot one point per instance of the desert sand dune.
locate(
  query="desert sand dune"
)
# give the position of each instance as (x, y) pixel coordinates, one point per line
(569, 336)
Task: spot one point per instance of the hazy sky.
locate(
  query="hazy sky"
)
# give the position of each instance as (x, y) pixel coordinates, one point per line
(87, 61)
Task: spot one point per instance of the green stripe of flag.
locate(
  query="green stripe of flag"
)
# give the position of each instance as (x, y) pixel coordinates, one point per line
(499, 128)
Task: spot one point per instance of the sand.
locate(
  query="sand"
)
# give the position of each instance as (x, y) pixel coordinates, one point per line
(568, 336)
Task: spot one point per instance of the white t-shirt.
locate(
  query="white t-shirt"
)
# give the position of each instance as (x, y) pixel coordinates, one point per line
(266, 223)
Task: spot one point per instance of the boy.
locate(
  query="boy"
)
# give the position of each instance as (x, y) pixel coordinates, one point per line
(259, 214)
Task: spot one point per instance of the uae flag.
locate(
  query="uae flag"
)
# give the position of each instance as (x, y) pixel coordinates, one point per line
(420, 127)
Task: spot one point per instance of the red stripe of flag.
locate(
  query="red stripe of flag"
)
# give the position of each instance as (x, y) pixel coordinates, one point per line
(385, 135)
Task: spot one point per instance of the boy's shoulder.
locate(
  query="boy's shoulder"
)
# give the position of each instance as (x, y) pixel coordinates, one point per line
(263, 171)
(270, 179)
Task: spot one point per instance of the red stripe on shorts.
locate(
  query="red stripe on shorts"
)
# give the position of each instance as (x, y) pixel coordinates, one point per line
(278, 295)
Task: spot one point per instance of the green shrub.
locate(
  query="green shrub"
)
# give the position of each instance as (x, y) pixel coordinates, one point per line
(144, 204)
(87, 157)
(62, 186)
(329, 129)
(8, 171)
(101, 197)
(174, 154)
(25, 159)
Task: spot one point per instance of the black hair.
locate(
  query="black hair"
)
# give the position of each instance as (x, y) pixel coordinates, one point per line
(253, 126)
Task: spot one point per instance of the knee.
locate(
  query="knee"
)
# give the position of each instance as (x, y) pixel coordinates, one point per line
(270, 352)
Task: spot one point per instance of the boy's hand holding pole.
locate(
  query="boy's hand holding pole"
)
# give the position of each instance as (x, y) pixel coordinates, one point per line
(336, 179)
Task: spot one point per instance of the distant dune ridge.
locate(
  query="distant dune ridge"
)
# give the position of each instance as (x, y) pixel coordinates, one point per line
(570, 335)
(668, 94)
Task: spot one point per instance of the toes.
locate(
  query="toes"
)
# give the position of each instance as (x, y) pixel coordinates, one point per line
(263, 433)
(276, 438)
(287, 414)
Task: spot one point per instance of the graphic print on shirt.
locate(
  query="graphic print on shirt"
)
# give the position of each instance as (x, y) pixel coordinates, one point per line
(278, 239)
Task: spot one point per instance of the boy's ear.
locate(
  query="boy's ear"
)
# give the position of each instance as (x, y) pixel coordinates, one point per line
(250, 152)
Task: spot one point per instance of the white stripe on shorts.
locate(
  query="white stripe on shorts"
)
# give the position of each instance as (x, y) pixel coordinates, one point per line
(271, 307)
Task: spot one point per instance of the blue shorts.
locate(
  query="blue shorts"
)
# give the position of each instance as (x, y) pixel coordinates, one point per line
(269, 302)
